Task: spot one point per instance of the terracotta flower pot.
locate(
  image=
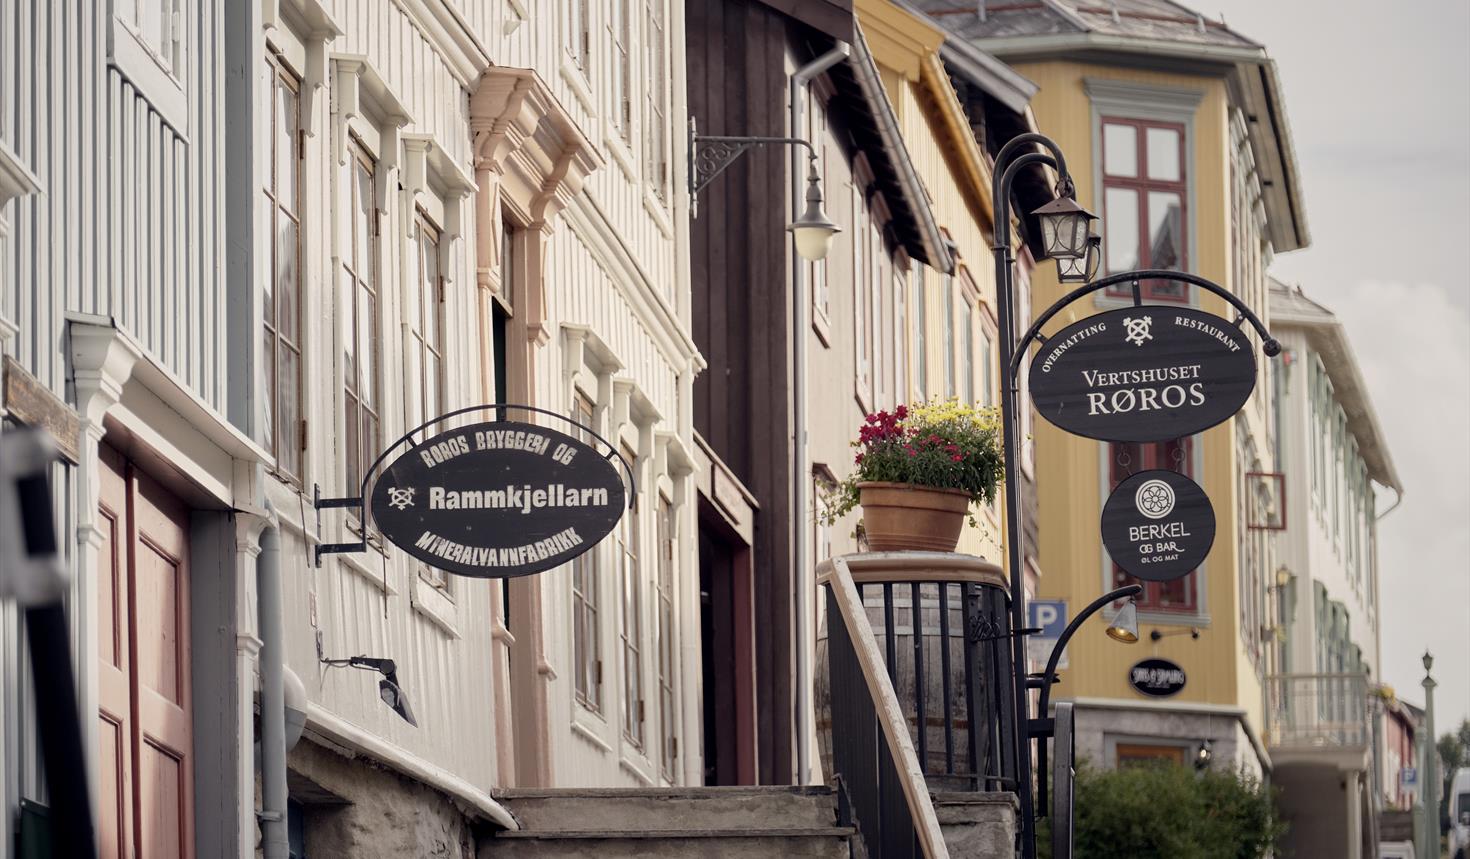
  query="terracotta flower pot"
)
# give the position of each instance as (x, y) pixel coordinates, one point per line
(903, 517)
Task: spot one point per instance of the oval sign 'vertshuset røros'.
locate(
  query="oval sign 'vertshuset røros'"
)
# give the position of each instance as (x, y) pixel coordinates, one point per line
(1158, 525)
(497, 500)
(1143, 374)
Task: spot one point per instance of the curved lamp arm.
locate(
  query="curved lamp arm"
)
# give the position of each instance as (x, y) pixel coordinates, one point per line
(1056, 652)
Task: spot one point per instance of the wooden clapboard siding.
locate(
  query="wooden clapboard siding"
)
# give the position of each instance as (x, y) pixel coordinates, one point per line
(130, 224)
(737, 59)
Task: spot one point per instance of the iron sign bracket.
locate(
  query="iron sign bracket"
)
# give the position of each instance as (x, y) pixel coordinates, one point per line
(319, 502)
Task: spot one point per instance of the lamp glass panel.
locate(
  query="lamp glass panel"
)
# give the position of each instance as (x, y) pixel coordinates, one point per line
(812, 243)
(1049, 232)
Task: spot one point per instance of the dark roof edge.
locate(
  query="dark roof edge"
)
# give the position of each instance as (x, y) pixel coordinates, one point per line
(865, 72)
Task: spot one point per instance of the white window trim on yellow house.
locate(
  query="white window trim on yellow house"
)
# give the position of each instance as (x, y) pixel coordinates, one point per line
(1130, 100)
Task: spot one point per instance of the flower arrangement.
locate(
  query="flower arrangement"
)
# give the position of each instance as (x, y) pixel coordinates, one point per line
(941, 444)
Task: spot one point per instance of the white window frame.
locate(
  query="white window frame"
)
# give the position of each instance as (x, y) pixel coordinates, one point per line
(1158, 103)
(161, 76)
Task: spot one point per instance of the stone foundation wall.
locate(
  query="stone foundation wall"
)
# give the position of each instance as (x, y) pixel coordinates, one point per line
(978, 825)
(359, 809)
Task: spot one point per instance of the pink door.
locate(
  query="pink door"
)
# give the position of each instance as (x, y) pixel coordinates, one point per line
(145, 716)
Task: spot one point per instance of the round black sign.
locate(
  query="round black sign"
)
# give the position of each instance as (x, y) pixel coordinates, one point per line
(497, 500)
(1143, 374)
(1158, 525)
(1159, 678)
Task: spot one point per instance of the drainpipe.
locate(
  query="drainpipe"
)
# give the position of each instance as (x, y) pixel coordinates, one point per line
(805, 723)
(273, 837)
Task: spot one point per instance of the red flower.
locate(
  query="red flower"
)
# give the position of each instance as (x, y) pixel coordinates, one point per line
(901, 412)
(956, 457)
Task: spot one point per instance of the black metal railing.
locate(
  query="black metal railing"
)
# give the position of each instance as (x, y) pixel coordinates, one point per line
(946, 650)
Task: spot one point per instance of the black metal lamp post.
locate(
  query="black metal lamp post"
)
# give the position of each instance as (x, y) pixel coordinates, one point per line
(1066, 228)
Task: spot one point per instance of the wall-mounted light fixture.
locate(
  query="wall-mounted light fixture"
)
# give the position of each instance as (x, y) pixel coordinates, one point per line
(1155, 635)
(709, 155)
(1204, 754)
(388, 688)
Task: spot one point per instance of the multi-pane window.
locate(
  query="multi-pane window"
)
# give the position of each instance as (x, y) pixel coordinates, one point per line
(1144, 201)
(630, 576)
(619, 32)
(655, 144)
(425, 347)
(968, 355)
(502, 310)
(988, 361)
(159, 26)
(1125, 459)
(586, 632)
(921, 325)
(668, 713)
(579, 32)
(360, 324)
(947, 295)
(280, 357)
(862, 317)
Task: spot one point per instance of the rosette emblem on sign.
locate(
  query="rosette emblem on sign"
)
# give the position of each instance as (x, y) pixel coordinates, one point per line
(497, 500)
(1143, 374)
(1158, 525)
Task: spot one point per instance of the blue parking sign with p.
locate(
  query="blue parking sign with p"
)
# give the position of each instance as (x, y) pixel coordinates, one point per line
(1050, 616)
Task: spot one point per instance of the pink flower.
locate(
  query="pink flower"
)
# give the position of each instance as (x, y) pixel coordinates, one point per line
(956, 457)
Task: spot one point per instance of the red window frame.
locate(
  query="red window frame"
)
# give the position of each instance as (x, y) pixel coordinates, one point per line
(1170, 291)
(1180, 596)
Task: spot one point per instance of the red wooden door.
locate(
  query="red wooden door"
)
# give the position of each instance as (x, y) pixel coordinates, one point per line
(145, 714)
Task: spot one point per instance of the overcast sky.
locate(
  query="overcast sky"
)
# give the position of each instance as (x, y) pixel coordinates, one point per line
(1378, 97)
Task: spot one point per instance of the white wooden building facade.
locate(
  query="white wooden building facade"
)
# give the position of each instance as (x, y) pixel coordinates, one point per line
(268, 242)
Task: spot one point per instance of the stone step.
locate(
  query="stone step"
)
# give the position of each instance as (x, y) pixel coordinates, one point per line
(701, 808)
(829, 842)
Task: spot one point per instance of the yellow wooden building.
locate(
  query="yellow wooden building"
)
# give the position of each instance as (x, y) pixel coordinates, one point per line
(1173, 127)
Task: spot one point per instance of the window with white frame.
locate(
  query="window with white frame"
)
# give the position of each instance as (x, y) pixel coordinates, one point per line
(425, 347)
(655, 143)
(630, 586)
(502, 310)
(619, 34)
(862, 318)
(579, 32)
(586, 602)
(668, 712)
(878, 327)
(361, 335)
(968, 352)
(946, 288)
(817, 269)
(900, 333)
(988, 361)
(159, 26)
(1145, 191)
(280, 358)
(921, 331)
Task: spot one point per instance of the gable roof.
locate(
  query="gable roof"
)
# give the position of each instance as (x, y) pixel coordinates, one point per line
(1158, 33)
(1291, 308)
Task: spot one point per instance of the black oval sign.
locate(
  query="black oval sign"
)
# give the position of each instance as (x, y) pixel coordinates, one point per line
(1159, 678)
(1143, 374)
(497, 500)
(1158, 525)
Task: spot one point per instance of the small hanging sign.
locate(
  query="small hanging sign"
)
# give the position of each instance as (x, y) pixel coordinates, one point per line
(498, 500)
(1158, 525)
(1157, 678)
(1145, 373)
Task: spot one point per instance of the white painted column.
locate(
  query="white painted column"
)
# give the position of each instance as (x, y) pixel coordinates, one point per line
(101, 362)
(248, 528)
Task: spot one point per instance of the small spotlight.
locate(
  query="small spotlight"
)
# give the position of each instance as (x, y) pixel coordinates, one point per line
(388, 688)
(1124, 627)
(1205, 754)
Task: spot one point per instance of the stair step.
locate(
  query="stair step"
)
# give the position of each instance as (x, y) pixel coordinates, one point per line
(822, 843)
(633, 810)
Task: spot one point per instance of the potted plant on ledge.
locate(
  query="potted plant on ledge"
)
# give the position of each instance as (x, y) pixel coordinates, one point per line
(918, 471)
